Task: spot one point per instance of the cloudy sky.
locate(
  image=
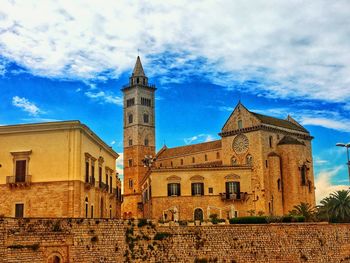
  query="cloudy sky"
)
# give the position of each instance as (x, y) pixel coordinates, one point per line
(62, 60)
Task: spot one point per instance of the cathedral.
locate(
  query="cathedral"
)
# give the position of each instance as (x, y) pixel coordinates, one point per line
(261, 164)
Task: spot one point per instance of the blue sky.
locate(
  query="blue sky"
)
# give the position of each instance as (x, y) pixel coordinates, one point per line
(64, 61)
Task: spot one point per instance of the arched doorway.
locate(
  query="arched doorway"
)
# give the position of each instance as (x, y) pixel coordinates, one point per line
(198, 214)
(54, 259)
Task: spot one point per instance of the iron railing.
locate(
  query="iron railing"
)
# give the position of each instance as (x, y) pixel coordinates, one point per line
(19, 179)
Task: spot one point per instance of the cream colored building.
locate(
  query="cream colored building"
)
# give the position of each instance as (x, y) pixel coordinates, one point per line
(261, 164)
(58, 169)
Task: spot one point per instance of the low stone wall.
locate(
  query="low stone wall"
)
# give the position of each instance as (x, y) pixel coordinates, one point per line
(103, 240)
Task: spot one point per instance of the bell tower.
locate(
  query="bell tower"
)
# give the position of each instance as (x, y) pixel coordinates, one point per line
(139, 137)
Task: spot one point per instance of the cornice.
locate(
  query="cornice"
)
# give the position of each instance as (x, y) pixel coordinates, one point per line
(57, 126)
(217, 168)
(265, 127)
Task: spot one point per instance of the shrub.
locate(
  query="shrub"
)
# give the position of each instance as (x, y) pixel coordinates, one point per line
(94, 239)
(161, 236)
(142, 222)
(57, 226)
(200, 260)
(291, 219)
(182, 223)
(249, 220)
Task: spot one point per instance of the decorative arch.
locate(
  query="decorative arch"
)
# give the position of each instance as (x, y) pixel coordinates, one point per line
(198, 214)
(232, 177)
(197, 178)
(173, 178)
(55, 258)
(234, 160)
(249, 159)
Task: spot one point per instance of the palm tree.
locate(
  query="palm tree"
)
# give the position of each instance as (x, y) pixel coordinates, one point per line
(323, 210)
(304, 209)
(336, 207)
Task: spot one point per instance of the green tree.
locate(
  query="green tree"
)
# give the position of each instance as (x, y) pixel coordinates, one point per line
(304, 209)
(336, 207)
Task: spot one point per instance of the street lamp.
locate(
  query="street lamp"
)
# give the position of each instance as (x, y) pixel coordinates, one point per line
(347, 146)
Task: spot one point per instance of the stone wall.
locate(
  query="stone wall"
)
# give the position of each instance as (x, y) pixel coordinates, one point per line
(102, 240)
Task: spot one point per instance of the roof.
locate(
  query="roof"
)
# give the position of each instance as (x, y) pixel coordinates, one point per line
(188, 149)
(138, 69)
(279, 122)
(290, 140)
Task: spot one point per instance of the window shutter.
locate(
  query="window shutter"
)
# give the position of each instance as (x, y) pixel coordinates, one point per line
(20, 170)
(227, 190)
(202, 188)
(179, 189)
(238, 190)
(169, 191)
(192, 189)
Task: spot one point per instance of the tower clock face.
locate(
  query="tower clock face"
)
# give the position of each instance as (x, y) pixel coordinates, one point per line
(240, 144)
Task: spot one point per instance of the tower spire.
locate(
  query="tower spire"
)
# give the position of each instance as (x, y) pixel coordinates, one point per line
(138, 69)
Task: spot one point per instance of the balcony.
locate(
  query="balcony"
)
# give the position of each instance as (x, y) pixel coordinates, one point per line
(149, 86)
(90, 183)
(103, 187)
(19, 181)
(233, 197)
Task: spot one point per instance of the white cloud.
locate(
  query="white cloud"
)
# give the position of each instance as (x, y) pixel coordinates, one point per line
(323, 184)
(199, 138)
(25, 105)
(340, 124)
(104, 97)
(303, 53)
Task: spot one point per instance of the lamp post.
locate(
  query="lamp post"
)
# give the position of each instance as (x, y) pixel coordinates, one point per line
(347, 146)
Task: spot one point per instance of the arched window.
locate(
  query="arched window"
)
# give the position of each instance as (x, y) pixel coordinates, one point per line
(217, 155)
(309, 185)
(182, 161)
(146, 141)
(86, 207)
(206, 157)
(270, 141)
(279, 186)
(233, 161)
(249, 159)
(137, 80)
(303, 170)
(193, 160)
(145, 118)
(131, 118)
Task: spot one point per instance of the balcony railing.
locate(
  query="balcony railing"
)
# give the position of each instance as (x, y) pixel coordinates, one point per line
(151, 86)
(232, 197)
(90, 183)
(19, 180)
(103, 186)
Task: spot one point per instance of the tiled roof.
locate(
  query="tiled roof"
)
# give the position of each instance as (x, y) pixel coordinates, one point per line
(188, 149)
(279, 122)
(290, 140)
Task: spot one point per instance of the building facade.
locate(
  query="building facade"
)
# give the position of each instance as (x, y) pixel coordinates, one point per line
(261, 165)
(58, 169)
